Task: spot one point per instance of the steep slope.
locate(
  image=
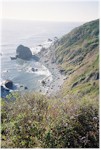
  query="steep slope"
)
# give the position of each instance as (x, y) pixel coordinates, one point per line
(75, 46)
(77, 55)
(71, 118)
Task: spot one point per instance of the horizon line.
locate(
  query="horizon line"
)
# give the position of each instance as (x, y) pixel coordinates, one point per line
(47, 20)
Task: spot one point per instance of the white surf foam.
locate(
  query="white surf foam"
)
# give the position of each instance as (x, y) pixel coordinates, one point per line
(47, 44)
(38, 48)
(42, 70)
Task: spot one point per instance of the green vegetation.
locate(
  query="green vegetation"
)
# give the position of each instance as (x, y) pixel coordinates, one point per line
(36, 121)
(78, 55)
(71, 118)
(75, 46)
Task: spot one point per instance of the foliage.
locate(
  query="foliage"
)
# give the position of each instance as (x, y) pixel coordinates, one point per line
(36, 121)
(71, 118)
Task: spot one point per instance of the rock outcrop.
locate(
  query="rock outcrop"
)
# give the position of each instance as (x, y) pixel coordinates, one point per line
(23, 52)
(8, 84)
(92, 76)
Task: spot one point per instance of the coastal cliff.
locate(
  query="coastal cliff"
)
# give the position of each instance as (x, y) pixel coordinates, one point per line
(78, 56)
(70, 118)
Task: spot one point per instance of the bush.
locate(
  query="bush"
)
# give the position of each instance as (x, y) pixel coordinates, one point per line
(35, 121)
(79, 131)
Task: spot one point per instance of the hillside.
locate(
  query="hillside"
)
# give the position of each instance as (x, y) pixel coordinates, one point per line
(70, 119)
(78, 57)
(74, 47)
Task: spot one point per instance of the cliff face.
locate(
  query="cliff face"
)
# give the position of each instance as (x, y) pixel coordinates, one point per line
(78, 57)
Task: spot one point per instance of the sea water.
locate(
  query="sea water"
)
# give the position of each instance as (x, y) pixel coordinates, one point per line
(30, 34)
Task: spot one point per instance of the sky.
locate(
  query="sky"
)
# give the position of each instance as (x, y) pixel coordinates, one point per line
(50, 10)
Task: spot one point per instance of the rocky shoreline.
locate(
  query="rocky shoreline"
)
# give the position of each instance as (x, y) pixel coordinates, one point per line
(47, 57)
(52, 83)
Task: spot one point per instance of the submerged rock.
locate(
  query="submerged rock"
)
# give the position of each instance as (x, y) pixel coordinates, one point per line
(26, 87)
(34, 69)
(13, 58)
(49, 40)
(23, 52)
(43, 83)
(40, 45)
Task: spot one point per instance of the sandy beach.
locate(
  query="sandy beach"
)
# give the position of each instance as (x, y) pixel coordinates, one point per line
(47, 58)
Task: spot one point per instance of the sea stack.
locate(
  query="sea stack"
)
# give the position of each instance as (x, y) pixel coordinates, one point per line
(23, 52)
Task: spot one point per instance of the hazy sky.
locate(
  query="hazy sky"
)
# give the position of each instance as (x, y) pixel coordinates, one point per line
(50, 10)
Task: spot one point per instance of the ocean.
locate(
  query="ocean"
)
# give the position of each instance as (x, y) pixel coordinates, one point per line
(30, 34)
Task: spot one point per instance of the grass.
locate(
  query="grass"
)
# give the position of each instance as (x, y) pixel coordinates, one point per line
(79, 42)
(71, 118)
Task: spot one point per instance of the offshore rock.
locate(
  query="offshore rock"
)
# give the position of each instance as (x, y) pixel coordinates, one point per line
(23, 52)
(8, 84)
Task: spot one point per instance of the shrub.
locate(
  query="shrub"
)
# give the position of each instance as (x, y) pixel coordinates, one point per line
(35, 121)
